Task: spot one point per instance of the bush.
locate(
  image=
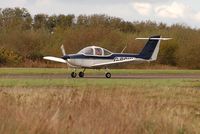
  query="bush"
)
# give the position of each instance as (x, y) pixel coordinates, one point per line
(8, 57)
(168, 54)
(35, 56)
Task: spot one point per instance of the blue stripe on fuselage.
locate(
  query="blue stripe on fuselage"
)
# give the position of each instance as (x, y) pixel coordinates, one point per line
(113, 56)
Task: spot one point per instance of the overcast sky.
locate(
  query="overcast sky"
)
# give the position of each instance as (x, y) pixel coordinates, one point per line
(167, 11)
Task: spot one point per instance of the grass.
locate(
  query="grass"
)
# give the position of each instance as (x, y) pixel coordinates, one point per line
(108, 83)
(114, 71)
(114, 106)
(100, 110)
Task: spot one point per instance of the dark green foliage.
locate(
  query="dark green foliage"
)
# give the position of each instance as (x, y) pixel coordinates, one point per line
(40, 21)
(168, 54)
(24, 37)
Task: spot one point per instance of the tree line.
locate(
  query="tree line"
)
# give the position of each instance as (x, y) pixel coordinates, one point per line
(25, 39)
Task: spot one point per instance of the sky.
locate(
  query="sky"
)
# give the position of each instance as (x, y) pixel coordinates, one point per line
(166, 11)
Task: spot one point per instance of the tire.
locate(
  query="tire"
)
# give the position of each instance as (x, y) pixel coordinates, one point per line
(108, 75)
(81, 74)
(73, 75)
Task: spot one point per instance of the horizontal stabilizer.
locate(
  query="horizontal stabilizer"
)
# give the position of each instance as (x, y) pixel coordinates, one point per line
(55, 59)
(153, 38)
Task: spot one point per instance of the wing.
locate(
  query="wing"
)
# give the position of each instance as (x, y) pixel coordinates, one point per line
(55, 59)
(115, 62)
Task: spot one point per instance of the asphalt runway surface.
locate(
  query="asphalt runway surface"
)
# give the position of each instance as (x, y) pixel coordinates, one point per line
(101, 76)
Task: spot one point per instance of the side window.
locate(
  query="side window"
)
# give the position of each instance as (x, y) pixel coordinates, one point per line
(106, 52)
(88, 51)
(98, 51)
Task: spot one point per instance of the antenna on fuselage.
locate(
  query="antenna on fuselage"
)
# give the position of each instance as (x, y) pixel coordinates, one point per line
(124, 49)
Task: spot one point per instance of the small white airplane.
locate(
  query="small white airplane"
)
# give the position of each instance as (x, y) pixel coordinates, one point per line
(94, 57)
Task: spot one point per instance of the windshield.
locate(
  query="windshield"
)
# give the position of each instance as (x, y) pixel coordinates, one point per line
(87, 51)
(93, 50)
(106, 52)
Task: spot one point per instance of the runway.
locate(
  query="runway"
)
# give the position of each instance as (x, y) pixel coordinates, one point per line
(101, 76)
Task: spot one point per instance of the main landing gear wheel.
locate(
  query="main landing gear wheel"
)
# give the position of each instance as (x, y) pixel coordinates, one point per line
(108, 75)
(73, 75)
(81, 74)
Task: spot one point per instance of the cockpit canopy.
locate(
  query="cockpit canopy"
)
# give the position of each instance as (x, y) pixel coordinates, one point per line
(96, 51)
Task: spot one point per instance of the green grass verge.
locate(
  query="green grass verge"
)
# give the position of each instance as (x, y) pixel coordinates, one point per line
(104, 83)
(114, 71)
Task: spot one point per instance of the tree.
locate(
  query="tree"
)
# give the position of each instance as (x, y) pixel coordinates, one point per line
(82, 20)
(40, 21)
(18, 18)
(65, 21)
(51, 22)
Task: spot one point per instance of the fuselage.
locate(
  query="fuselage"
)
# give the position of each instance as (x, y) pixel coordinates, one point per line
(86, 61)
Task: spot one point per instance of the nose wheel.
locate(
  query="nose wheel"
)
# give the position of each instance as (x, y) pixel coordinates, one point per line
(108, 75)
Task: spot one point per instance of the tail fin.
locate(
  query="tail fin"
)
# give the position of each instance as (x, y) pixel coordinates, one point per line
(63, 50)
(151, 49)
